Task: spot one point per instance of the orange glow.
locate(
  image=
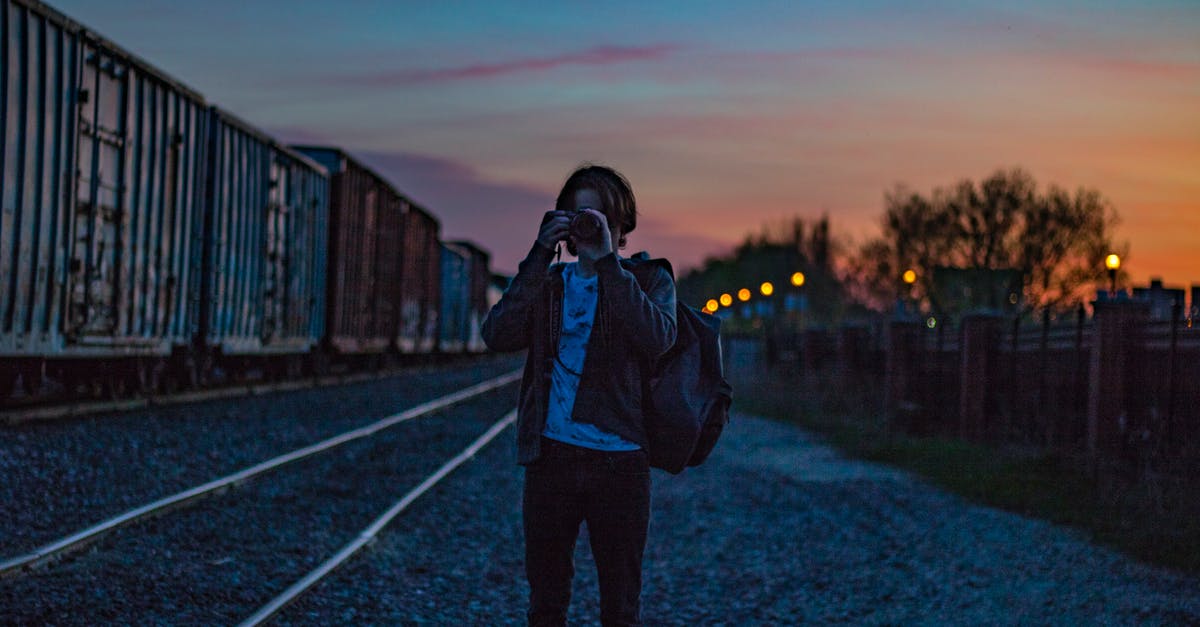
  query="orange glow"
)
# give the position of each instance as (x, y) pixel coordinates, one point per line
(766, 288)
(711, 305)
(744, 294)
(726, 300)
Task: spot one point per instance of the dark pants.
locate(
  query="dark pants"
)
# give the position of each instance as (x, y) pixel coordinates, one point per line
(568, 485)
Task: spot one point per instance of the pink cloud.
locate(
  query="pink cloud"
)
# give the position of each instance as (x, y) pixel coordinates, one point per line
(597, 56)
(300, 135)
(501, 217)
(1144, 68)
(658, 235)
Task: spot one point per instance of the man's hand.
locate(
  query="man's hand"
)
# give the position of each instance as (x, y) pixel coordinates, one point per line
(554, 229)
(595, 250)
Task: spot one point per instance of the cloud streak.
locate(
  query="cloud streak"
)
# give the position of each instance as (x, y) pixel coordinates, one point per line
(502, 217)
(596, 56)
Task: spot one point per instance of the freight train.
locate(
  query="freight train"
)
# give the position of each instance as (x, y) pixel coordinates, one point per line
(149, 238)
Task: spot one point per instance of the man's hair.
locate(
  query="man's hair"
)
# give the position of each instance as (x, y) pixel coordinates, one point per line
(616, 195)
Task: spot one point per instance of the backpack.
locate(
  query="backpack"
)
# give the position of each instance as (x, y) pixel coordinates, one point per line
(686, 399)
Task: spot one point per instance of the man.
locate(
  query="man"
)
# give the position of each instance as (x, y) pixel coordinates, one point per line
(592, 330)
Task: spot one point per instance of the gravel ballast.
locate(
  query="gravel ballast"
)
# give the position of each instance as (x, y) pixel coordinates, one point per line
(774, 529)
(216, 561)
(65, 475)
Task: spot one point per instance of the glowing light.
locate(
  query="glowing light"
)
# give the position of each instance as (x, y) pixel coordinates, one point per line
(1112, 262)
(743, 294)
(726, 300)
(711, 305)
(797, 279)
(931, 322)
(910, 276)
(766, 288)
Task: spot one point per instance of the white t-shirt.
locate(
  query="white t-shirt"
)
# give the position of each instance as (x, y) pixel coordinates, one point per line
(579, 312)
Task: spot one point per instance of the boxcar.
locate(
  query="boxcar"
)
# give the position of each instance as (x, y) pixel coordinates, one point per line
(456, 300)
(420, 282)
(365, 229)
(101, 191)
(479, 275)
(267, 228)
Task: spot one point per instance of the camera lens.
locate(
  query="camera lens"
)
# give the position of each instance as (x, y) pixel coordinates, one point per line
(585, 227)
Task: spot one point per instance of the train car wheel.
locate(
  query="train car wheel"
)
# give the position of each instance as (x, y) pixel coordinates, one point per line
(33, 376)
(116, 380)
(8, 382)
(294, 366)
(192, 370)
(150, 372)
(319, 362)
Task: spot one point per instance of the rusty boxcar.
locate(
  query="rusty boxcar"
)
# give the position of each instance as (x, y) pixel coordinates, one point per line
(144, 231)
(479, 275)
(455, 300)
(264, 261)
(420, 281)
(365, 229)
(102, 195)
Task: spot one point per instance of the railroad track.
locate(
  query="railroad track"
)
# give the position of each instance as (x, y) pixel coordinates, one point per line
(58, 548)
(70, 408)
(472, 400)
(293, 592)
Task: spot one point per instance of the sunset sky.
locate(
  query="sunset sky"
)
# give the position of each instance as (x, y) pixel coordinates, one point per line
(724, 117)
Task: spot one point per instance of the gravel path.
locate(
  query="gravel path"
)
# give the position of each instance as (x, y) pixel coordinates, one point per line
(61, 476)
(774, 529)
(217, 561)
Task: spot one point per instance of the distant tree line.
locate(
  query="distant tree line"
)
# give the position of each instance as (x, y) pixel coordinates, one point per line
(1047, 245)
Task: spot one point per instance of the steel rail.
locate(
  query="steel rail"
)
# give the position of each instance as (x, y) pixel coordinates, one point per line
(367, 535)
(74, 409)
(58, 548)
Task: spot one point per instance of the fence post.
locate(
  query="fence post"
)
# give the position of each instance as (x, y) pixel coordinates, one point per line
(1042, 419)
(1116, 327)
(901, 370)
(851, 342)
(1172, 430)
(979, 348)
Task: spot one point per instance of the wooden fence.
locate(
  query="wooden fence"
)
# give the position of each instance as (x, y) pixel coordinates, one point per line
(1117, 386)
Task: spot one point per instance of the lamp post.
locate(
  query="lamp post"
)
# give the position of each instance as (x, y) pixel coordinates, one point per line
(908, 277)
(796, 299)
(743, 296)
(1113, 263)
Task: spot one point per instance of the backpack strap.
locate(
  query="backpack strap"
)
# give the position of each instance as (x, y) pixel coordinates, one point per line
(642, 266)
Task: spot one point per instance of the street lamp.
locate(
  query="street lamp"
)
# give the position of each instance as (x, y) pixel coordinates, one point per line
(711, 305)
(766, 288)
(744, 294)
(797, 279)
(1113, 263)
(903, 295)
(726, 300)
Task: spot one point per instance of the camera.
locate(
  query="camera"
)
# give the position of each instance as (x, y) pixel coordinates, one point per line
(585, 226)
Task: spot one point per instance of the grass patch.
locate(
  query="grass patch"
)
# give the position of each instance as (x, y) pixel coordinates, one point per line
(1154, 521)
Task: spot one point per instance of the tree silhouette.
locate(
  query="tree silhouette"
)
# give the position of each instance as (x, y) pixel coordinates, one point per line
(773, 255)
(1054, 241)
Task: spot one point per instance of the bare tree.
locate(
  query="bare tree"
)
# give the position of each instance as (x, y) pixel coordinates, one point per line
(1055, 241)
